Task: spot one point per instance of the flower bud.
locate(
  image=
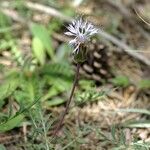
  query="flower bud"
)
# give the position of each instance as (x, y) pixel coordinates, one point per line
(81, 55)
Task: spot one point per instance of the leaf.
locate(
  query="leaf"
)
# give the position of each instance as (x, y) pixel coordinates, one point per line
(55, 102)
(55, 25)
(86, 84)
(68, 11)
(4, 20)
(11, 123)
(62, 52)
(113, 132)
(61, 85)
(2, 147)
(51, 93)
(122, 138)
(38, 50)
(42, 34)
(17, 54)
(138, 124)
(29, 90)
(5, 44)
(9, 86)
(89, 96)
(144, 84)
(57, 86)
(61, 70)
(135, 110)
(120, 81)
(15, 120)
(140, 144)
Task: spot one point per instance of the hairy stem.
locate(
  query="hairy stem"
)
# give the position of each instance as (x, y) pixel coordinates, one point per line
(68, 102)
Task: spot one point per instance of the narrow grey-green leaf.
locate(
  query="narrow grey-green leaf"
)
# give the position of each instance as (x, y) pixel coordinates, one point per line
(138, 124)
(135, 110)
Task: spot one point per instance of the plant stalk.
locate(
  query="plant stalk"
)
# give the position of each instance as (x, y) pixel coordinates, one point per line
(68, 102)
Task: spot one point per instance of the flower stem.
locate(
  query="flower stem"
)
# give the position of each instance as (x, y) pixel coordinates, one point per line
(68, 102)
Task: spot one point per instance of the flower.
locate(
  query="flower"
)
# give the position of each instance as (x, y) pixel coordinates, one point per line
(82, 31)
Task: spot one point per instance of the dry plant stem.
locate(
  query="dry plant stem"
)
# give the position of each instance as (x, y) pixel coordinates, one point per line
(58, 126)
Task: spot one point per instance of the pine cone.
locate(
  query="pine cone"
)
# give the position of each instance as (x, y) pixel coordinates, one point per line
(96, 67)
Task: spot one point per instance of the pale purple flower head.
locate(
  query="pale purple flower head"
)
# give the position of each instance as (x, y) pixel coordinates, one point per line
(81, 31)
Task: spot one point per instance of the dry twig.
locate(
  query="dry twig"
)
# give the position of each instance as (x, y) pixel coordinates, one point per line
(127, 14)
(146, 22)
(47, 10)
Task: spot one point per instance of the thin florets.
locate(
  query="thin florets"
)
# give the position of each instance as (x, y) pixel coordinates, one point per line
(82, 31)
